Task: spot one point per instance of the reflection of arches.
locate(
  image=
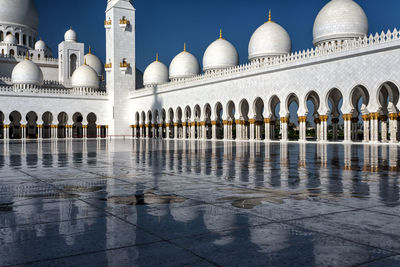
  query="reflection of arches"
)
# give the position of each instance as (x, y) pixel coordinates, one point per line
(72, 64)
(91, 126)
(77, 128)
(1, 125)
(15, 125)
(62, 123)
(47, 118)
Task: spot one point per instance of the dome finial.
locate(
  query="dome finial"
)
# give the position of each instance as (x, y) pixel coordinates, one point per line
(269, 16)
(90, 50)
(84, 62)
(27, 56)
(157, 57)
(184, 47)
(220, 33)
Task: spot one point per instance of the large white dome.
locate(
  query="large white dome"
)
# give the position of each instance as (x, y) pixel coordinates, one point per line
(156, 73)
(85, 77)
(221, 54)
(184, 65)
(28, 73)
(269, 40)
(340, 20)
(70, 36)
(95, 63)
(19, 12)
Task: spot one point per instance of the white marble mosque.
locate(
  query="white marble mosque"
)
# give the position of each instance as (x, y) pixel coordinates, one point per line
(346, 87)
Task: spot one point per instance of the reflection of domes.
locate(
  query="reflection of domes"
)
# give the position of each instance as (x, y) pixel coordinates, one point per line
(184, 65)
(28, 73)
(156, 73)
(40, 45)
(221, 54)
(70, 36)
(339, 20)
(269, 40)
(10, 39)
(85, 77)
(19, 12)
(95, 63)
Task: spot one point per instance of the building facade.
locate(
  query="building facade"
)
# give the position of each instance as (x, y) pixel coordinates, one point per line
(344, 88)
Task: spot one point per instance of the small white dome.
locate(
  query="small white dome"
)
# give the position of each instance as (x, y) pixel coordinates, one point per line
(156, 73)
(221, 54)
(70, 36)
(85, 77)
(269, 40)
(184, 65)
(340, 20)
(27, 72)
(40, 45)
(10, 39)
(95, 63)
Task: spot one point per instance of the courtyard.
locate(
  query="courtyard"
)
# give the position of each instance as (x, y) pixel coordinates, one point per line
(201, 203)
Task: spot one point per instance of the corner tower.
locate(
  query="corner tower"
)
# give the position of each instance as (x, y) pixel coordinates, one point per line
(120, 62)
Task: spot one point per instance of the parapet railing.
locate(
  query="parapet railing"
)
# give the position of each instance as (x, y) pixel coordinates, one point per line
(43, 91)
(324, 49)
(19, 58)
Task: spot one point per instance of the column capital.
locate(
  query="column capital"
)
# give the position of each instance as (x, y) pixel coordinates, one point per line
(393, 116)
(374, 116)
(365, 117)
(252, 121)
(347, 117)
(213, 123)
(323, 118)
(267, 120)
(285, 120)
(302, 118)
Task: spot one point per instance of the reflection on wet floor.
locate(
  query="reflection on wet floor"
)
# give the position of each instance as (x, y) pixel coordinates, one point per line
(153, 202)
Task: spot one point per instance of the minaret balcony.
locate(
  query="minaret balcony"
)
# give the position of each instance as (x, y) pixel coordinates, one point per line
(108, 66)
(108, 24)
(124, 66)
(124, 23)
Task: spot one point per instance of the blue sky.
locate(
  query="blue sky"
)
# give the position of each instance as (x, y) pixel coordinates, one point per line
(164, 25)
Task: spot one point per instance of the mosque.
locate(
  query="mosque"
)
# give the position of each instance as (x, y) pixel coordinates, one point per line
(346, 87)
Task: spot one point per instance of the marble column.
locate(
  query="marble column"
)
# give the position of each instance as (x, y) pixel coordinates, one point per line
(324, 128)
(303, 128)
(225, 130)
(6, 131)
(193, 131)
(252, 129)
(214, 130)
(284, 129)
(176, 133)
(267, 123)
(317, 122)
(374, 117)
(384, 128)
(393, 127)
(365, 119)
(347, 127)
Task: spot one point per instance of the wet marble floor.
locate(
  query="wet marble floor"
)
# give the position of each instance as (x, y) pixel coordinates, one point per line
(174, 203)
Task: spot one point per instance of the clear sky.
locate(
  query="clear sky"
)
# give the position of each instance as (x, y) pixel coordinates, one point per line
(164, 25)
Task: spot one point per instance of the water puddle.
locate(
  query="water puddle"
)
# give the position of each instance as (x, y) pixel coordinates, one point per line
(6, 207)
(148, 198)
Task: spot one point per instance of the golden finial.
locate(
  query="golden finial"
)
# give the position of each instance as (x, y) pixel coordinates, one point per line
(269, 16)
(90, 50)
(220, 33)
(184, 47)
(157, 57)
(27, 56)
(84, 63)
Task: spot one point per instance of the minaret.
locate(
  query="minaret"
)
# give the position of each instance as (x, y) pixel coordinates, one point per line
(120, 63)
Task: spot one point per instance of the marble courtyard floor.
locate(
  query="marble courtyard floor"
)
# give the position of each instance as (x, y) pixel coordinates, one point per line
(174, 203)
